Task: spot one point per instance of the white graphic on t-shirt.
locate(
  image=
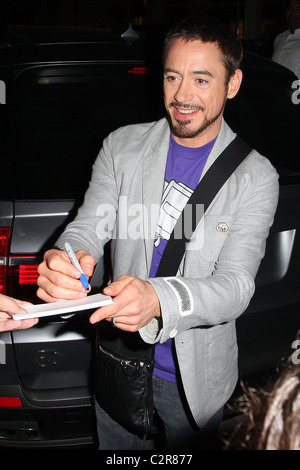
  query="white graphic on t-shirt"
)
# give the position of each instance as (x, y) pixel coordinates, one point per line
(175, 197)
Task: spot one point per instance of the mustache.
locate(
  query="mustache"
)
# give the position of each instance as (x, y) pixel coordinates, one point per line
(176, 104)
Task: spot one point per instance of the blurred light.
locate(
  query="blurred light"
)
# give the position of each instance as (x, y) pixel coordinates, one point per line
(139, 70)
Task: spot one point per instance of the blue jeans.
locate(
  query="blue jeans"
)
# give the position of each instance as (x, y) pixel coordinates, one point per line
(179, 428)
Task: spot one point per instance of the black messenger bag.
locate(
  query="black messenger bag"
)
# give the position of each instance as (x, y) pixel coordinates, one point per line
(124, 362)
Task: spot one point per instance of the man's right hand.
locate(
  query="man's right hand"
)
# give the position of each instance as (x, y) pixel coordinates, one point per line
(59, 279)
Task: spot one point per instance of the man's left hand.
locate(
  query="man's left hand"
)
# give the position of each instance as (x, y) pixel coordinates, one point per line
(135, 303)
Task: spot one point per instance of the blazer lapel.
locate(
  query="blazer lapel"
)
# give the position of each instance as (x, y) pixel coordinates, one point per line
(153, 178)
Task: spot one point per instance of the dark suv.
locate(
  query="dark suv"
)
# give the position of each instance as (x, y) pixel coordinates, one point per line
(65, 91)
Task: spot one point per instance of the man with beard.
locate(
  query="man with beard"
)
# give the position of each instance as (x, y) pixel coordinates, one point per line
(190, 317)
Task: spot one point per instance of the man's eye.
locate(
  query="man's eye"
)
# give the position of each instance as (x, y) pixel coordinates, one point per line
(171, 78)
(201, 81)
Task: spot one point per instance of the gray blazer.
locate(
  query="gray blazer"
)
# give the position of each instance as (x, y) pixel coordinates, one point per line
(215, 281)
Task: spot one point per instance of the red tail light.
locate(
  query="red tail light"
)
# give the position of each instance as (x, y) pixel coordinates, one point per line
(22, 272)
(139, 70)
(28, 274)
(10, 402)
(4, 241)
(4, 249)
(15, 270)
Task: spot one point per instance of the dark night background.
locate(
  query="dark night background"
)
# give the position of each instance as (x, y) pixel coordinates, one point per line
(253, 19)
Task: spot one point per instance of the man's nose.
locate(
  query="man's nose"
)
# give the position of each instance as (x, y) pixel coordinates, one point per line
(184, 92)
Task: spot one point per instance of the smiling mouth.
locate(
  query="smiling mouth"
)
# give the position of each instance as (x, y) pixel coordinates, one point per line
(184, 110)
(184, 116)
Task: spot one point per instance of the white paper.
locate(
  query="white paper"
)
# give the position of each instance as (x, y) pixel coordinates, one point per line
(65, 306)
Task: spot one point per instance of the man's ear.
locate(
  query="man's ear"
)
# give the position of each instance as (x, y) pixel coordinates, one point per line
(234, 83)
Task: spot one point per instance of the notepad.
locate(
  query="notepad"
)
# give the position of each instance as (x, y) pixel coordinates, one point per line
(65, 306)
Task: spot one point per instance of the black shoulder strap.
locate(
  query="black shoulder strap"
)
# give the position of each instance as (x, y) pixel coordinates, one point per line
(205, 192)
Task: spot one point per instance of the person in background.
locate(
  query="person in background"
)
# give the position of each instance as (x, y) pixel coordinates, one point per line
(271, 419)
(10, 307)
(286, 49)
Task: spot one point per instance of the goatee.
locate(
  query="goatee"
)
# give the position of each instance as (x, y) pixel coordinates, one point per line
(180, 128)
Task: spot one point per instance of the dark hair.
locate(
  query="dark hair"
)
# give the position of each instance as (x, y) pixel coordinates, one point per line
(271, 418)
(208, 30)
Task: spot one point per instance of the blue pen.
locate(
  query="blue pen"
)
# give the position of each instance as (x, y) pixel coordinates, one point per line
(75, 263)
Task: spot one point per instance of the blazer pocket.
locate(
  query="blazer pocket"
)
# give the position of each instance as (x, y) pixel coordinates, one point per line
(221, 354)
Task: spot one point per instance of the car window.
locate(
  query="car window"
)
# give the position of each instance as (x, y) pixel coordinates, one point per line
(58, 116)
(265, 115)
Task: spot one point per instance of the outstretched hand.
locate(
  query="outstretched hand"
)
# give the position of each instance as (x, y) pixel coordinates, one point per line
(10, 307)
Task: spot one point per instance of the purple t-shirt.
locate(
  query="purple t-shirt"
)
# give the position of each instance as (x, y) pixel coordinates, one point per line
(183, 172)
